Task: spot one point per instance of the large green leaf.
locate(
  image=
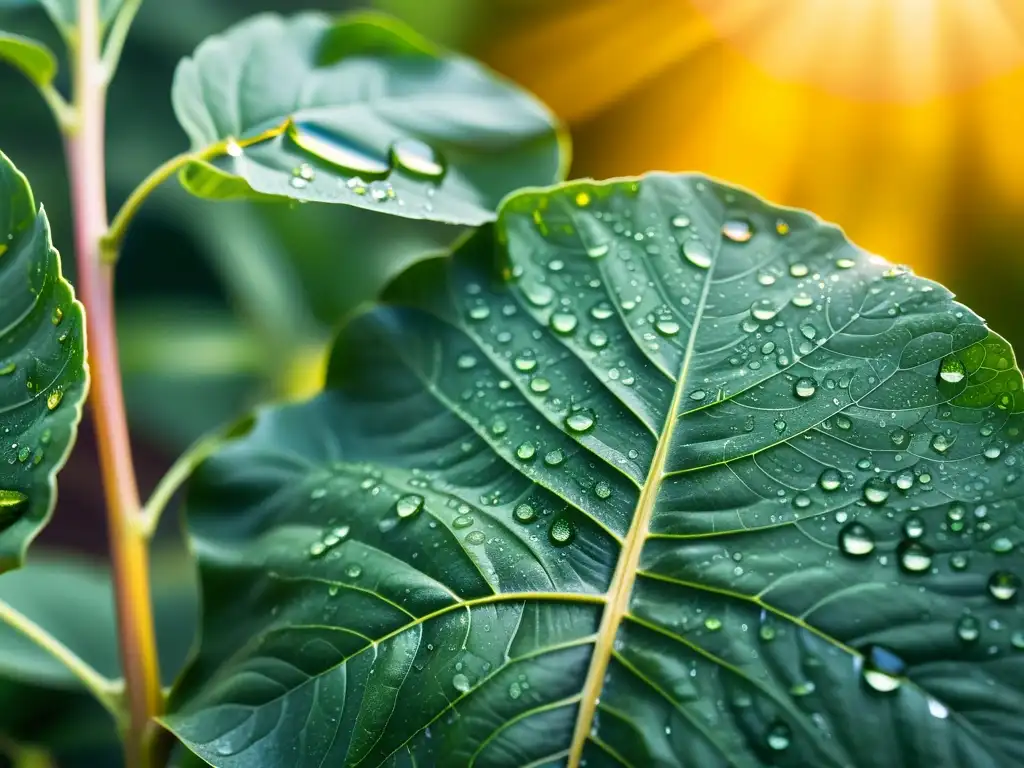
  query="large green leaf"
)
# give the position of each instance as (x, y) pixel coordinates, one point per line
(651, 474)
(362, 111)
(43, 376)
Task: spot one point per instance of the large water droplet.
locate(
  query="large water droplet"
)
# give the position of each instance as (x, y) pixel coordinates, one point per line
(798, 269)
(952, 370)
(805, 387)
(940, 443)
(563, 322)
(763, 310)
(913, 527)
(899, 437)
(914, 556)
(460, 683)
(409, 505)
(524, 513)
(580, 421)
(417, 158)
(12, 506)
(779, 737)
(830, 479)
(666, 326)
(737, 230)
(696, 254)
(562, 531)
(526, 451)
(597, 251)
(476, 538)
(554, 458)
(876, 491)
(54, 398)
(882, 670)
(1003, 585)
(856, 540)
(342, 152)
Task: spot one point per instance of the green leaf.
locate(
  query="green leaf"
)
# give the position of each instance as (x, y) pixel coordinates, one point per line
(33, 58)
(65, 12)
(651, 473)
(43, 377)
(323, 107)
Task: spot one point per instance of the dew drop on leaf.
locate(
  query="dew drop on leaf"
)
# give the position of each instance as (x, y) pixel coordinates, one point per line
(462, 521)
(798, 270)
(580, 421)
(339, 151)
(597, 251)
(914, 556)
(1003, 586)
(779, 737)
(602, 489)
(476, 538)
(460, 683)
(968, 629)
(667, 327)
(712, 623)
(763, 310)
(805, 387)
(830, 479)
(563, 322)
(876, 491)
(899, 437)
(525, 513)
(882, 670)
(913, 527)
(562, 531)
(409, 505)
(695, 253)
(554, 458)
(54, 398)
(951, 370)
(940, 443)
(856, 540)
(737, 230)
(526, 451)
(417, 158)
(597, 338)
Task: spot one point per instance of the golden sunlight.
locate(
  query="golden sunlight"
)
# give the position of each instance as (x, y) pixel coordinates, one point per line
(900, 119)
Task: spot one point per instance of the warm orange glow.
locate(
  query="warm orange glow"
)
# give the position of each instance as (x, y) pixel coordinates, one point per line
(903, 120)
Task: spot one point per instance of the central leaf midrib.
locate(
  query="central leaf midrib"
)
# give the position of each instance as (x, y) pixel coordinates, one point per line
(625, 573)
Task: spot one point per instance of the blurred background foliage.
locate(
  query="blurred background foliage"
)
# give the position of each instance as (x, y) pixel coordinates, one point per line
(899, 119)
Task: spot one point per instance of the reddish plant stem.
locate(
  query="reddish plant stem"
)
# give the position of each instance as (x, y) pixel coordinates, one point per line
(128, 551)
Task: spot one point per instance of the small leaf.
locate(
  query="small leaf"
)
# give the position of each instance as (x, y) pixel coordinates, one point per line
(43, 375)
(360, 111)
(646, 474)
(33, 58)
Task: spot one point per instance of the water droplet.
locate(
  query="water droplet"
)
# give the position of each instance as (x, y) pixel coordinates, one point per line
(58, 315)
(696, 254)
(913, 527)
(856, 540)
(476, 538)
(602, 311)
(843, 422)
(461, 683)
(801, 501)
(407, 506)
(417, 158)
(779, 737)
(680, 221)
(667, 327)
(562, 531)
(763, 310)
(602, 489)
(341, 152)
(780, 425)
(713, 623)
(698, 395)
(465, 362)
(882, 670)
(514, 690)
(554, 458)
(801, 300)
(905, 480)
(968, 629)
(738, 230)
(899, 436)
(805, 387)
(876, 491)
(845, 263)
(597, 251)
(525, 362)
(563, 322)
(952, 370)
(914, 556)
(782, 227)
(526, 451)
(354, 570)
(297, 182)
(232, 148)
(317, 548)
(539, 384)
(958, 561)
(597, 338)
(830, 479)
(940, 443)
(580, 421)
(992, 452)
(798, 270)
(524, 513)
(1003, 585)
(462, 521)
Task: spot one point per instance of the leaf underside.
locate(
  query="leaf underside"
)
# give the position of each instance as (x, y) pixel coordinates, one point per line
(359, 85)
(43, 377)
(651, 473)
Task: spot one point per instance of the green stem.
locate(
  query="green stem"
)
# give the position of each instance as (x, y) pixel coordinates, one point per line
(118, 34)
(63, 112)
(128, 551)
(106, 691)
(173, 480)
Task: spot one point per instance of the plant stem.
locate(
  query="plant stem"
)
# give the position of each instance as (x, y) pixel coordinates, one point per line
(129, 556)
(106, 691)
(118, 34)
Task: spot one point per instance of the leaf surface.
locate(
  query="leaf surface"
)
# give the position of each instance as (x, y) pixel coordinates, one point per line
(361, 111)
(33, 58)
(43, 378)
(651, 473)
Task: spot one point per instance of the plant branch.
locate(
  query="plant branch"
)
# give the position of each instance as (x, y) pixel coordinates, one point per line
(63, 112)
(105, 690)
(173, 480)
(129, 555)
(118, 34)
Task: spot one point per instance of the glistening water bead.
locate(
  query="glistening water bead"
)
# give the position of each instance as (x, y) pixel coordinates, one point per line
(342, 152)
(417, 158)
(562, 531)
(407, 506)
(882, 670)
(951, 370)
(856, 540)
